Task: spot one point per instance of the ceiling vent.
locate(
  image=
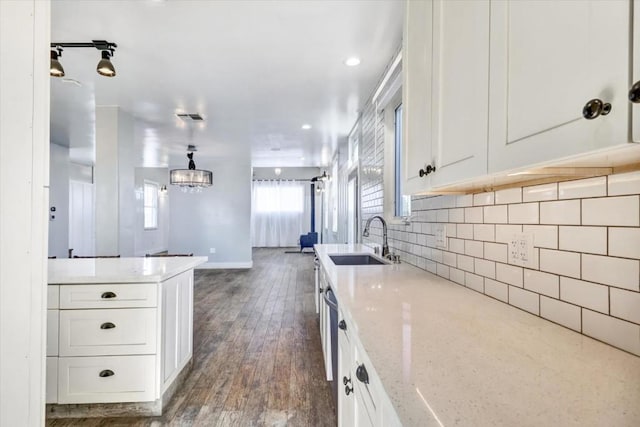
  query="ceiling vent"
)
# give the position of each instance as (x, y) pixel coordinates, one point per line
(194, 117)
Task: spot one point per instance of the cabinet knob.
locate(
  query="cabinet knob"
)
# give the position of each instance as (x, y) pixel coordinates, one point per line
(106, 373)
(634, 93)
(346, 380)
(107, 295)
(362, 374)
(342, 325)
(107, 325)
(595, 108)
(427, 170)
(348, 390)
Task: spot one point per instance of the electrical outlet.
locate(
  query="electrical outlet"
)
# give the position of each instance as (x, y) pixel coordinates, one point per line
(521, 250)
(212, 250)
(441, 236)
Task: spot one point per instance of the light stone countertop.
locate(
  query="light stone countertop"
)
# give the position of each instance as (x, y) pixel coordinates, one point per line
(118, 270)
(447, 355)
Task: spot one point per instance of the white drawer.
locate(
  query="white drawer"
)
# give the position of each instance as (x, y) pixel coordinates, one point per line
(106, 379)
(51, 395)
(107, 332)
(117, 295)
(52, 332)
(53, 296)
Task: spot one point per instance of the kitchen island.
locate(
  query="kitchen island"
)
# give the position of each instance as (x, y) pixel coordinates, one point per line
(119, 334)
(442, 355)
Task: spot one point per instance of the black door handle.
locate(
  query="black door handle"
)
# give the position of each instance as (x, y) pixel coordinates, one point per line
(362, 374)
(107, 295)
(346, 380)
(107, 325)
(595, 108)
(342, 325)
(427, 170)
(634, 93)
(106, 373)
(348, 390)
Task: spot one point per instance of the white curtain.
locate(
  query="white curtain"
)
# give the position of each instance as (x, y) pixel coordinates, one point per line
(280, 213)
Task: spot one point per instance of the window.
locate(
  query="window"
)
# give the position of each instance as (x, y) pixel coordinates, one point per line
(279, 199)
(150, 205)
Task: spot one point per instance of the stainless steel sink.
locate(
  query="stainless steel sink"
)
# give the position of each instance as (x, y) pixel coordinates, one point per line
(357, 259)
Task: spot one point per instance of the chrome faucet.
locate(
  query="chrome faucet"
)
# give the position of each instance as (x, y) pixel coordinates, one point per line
(385, 244)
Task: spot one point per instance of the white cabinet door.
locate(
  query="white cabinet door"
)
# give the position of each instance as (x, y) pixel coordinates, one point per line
(548, 59)
(185, 318)
(460, 93)
(51, 390)
(416, 96)
(170, 300)
(636, 68)
(346, 401)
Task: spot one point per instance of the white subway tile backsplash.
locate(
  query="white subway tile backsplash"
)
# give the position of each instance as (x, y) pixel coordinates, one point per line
(431, 240)
(432, 266)
(442, 215)
(625, 305)
(585, 294)
(436, 255)
(624, 183)
(474, 282)
(510, 274)
(510, 195)
(542, 283)
(495, 214)
(464, 201)
(560, 262)
(623, 211)
(495, 251)
(539, 193)
(456, 245)
(619, 333)
(565, 212)
(618, 272)
(473, 215)
(465, 231)
(544, 236)
(449, 258)
(456, 276)
(451, 230)
(426, 228)
(624, 242)
(525, 213)
(465, 263)
(430, 216)
(482, 199)
(565, 314)
(442, 270)
(524, 300)
(448, 201)
(496, 290)
(473, 248)
(484, 232)
(583, 239)
(456, 215)
(485, 268)
(582, 188)
(504, 233)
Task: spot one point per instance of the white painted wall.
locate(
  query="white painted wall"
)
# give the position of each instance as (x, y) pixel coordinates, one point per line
(24, 181)
(151, 241)
(59, 198)
(219, 217)
(286, 173)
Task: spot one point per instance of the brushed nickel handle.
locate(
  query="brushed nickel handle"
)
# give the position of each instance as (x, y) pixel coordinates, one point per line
(106, 373)
(595, 108)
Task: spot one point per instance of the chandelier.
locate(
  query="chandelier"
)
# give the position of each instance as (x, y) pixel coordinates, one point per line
(191, 180)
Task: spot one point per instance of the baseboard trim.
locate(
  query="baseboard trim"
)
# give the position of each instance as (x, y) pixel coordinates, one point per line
(224, 265)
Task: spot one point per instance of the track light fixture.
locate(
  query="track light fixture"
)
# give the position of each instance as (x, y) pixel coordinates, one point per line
(105, 67)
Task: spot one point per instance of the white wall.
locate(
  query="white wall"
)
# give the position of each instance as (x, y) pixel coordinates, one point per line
(59, 198)
(151, 241)
(219, 217)
(24, 181)
(286, 173)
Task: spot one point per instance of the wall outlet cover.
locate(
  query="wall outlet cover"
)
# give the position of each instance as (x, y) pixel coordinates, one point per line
(440, 232)
(521, 250)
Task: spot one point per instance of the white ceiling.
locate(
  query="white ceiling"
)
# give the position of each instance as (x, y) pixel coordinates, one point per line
(256, 70)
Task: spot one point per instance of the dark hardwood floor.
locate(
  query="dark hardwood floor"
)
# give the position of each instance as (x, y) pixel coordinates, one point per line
(257, 356)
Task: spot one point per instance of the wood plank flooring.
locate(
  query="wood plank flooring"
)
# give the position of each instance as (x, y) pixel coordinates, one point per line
(257, 356)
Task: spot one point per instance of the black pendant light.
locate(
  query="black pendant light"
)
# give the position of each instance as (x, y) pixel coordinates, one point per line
(55, 68)
(105, 67)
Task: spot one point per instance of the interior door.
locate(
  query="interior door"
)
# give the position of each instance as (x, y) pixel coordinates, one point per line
(548, 59)
(460, 93)
(81, 218)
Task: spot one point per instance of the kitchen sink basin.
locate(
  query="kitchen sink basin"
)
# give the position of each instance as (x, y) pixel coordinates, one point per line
(357, 259)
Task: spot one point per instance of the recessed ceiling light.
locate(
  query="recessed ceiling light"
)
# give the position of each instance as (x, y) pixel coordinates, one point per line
(352, 62)
(301, 158)
(306, 126)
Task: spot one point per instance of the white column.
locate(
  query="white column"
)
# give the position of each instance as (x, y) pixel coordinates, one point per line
(114, 182)
(24, 177)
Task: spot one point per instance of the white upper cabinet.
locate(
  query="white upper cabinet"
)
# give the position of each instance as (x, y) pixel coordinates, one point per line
(548, 59)
(460, 94)
(416, 96)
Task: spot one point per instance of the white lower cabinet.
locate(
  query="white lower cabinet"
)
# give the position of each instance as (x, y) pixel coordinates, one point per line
(51, 390)
(106, 379)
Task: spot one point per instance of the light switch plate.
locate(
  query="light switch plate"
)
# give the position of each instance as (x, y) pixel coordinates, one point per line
(440, 231)
(521, 250)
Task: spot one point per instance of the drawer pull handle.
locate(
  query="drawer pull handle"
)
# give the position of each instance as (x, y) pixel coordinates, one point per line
(634, 93)
(106, 373)
(107, 295)
(595, 108)
(348, 390)
(362, 374)
(107, 325)
(342, 325)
